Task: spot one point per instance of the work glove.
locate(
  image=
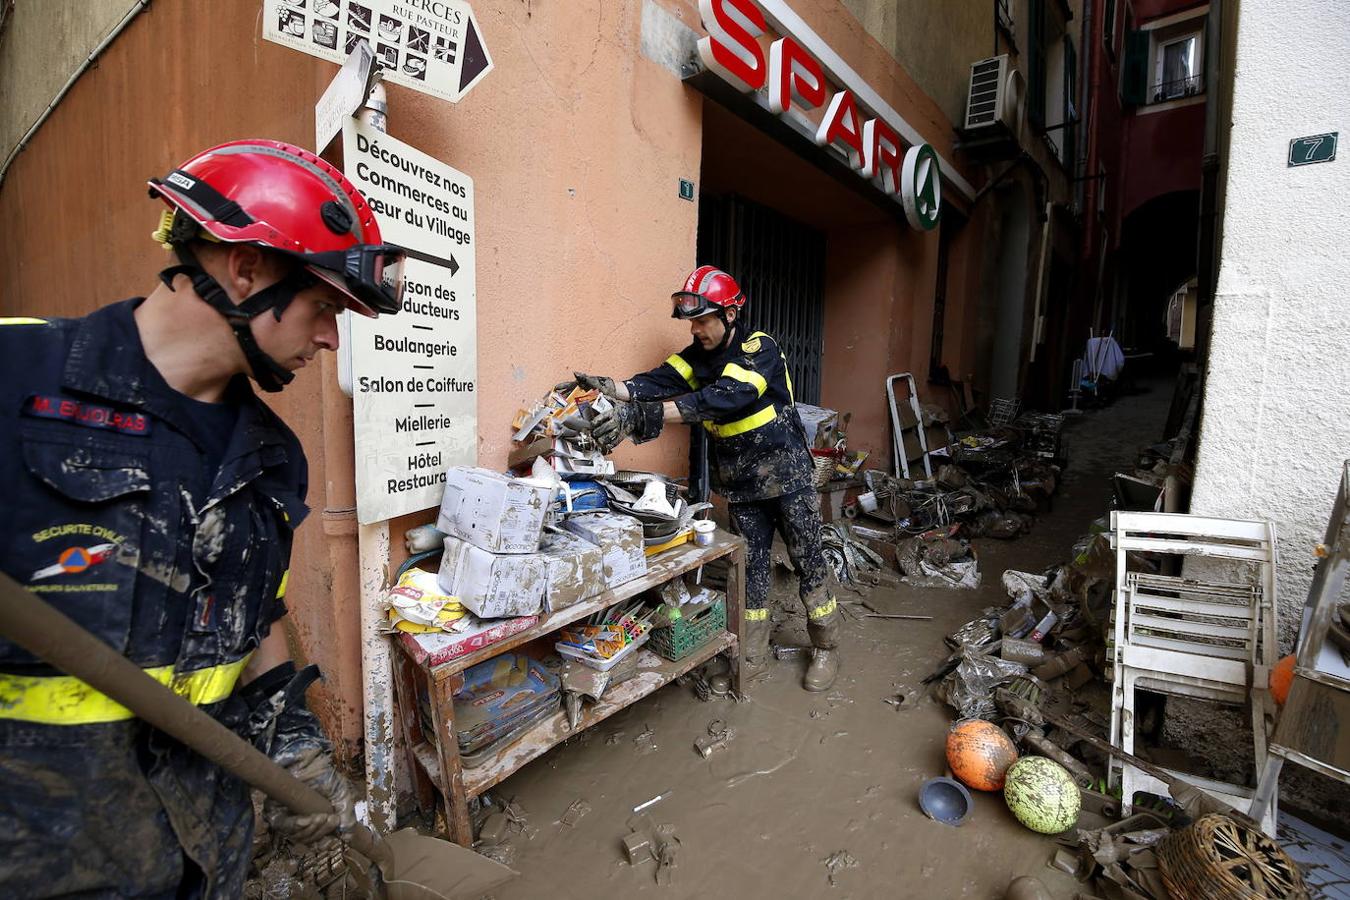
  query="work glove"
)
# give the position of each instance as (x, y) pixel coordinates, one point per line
(586, 382)
(281, 726)
(638, 419)
(313, 766)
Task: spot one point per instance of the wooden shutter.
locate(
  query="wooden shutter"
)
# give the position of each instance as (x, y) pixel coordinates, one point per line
(1134, 71)
(1036, 63)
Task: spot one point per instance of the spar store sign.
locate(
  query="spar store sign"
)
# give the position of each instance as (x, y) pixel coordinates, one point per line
(797, 88)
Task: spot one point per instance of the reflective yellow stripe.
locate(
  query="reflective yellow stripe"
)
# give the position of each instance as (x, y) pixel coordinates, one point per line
(21, 320)
(731, 370)
(281, 588)
(787, 376)
(756, 615)
(740, 426)
(822, 610)
(676, 362)
(65, 700)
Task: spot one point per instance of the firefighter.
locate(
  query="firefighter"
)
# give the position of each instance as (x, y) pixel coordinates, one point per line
(735, 383)
(152, 497)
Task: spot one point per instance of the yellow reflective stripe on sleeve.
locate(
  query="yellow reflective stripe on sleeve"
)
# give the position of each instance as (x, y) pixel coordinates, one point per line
(676, 362)
(822, 610)
(281, 588)
(731, 370)
(741, 426)
(756, 615)
(65, 700)
(21, 320)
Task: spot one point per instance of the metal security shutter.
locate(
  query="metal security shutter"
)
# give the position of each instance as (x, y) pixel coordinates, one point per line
(780, 264)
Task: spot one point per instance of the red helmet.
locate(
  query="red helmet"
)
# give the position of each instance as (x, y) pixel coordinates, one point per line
(706, 290)
(282, 197)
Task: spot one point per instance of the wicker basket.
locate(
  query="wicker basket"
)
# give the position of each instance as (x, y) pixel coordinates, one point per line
(1217, 859)
(824, 462)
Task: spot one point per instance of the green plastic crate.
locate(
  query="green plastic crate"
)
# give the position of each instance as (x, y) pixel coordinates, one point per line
(688, 634)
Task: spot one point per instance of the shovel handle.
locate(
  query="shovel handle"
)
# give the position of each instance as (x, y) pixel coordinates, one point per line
(58, 640)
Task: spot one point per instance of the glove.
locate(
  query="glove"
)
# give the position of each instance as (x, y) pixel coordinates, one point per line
(314, 767)
(280, 725)
(586, 382)
(639, 420)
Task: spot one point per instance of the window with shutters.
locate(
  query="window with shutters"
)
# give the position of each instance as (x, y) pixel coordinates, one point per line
(1164, 64)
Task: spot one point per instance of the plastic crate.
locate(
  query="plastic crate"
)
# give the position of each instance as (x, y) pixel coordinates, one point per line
(688, 634)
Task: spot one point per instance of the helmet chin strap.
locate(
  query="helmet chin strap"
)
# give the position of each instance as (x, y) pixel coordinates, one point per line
(270, 375)
(729, 329)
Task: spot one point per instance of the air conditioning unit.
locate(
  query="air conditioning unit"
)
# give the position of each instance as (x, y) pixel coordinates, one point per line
(997, 95)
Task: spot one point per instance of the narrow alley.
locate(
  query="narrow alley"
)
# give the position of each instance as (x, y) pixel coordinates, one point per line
(808, 776)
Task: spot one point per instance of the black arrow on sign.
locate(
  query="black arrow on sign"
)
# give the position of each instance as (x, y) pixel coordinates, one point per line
(450, 263)
(475, 57)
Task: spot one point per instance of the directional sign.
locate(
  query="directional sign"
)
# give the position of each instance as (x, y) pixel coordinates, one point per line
(345, 94)
(432, 47)
(1316, 148)
(921, 187)
(414, 390)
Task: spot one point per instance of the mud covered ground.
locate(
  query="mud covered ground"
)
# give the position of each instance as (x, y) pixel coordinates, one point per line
(811, 777)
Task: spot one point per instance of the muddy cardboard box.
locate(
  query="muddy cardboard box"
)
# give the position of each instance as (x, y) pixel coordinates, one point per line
(576, 569)
(493, 585)
(492, 511)
(619, 538)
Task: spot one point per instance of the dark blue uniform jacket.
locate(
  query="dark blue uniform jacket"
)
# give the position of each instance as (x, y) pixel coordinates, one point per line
(742, 393)
(112, 516)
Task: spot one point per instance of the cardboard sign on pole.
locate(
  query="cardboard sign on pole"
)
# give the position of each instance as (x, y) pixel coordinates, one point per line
(414, 391)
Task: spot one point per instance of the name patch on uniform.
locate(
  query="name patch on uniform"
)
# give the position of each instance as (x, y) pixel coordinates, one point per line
(49, 406)
(751, 346)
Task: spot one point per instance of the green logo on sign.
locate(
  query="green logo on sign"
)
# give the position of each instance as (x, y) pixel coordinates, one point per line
(921, 187)
(1316, 148)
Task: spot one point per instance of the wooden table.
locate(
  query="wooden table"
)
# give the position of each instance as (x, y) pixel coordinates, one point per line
(434, 758)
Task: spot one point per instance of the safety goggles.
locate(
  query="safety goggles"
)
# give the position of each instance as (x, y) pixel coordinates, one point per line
(689, 305)
(370, 273)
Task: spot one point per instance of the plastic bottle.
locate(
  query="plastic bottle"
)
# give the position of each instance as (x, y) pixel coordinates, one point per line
(1043, 626)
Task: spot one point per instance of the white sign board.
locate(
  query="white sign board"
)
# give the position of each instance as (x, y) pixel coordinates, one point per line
(414, 375)
(432, 46)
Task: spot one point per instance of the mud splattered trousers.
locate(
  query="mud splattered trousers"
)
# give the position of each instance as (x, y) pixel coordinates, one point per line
(796, 516)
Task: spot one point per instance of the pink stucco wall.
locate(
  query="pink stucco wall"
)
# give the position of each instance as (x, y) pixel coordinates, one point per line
(575, 142)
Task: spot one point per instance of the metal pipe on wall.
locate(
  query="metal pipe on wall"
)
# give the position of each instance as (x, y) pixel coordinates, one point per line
(70, 82)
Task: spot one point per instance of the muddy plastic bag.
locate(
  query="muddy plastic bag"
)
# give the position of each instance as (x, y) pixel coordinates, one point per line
(977, 632)
(969, 689)
(1023, 587)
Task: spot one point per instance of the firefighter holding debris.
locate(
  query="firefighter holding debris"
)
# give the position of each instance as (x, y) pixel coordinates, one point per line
(735, 383)
(152, 498)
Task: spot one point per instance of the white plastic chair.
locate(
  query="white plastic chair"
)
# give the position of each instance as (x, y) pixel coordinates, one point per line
(1206, 639)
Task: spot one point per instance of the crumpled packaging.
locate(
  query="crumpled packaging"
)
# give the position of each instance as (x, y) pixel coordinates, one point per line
(969, 689)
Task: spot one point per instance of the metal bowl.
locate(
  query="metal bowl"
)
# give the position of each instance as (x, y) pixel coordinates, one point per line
(945, 800)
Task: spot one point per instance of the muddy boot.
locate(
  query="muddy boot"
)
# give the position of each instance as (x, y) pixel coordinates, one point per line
(824, 666)
(755, 652)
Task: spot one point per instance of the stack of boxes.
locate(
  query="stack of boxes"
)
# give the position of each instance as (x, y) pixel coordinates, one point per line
(501, 561)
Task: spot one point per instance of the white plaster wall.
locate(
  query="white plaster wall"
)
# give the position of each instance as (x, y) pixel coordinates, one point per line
(1276, 424)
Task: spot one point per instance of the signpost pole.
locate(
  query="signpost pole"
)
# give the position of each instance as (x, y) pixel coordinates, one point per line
(377, 680)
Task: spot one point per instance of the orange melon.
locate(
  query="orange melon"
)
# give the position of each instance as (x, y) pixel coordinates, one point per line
(979, 754)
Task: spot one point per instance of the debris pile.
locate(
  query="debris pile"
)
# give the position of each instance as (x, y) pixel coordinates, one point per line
(989, 483)
(558, 428)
